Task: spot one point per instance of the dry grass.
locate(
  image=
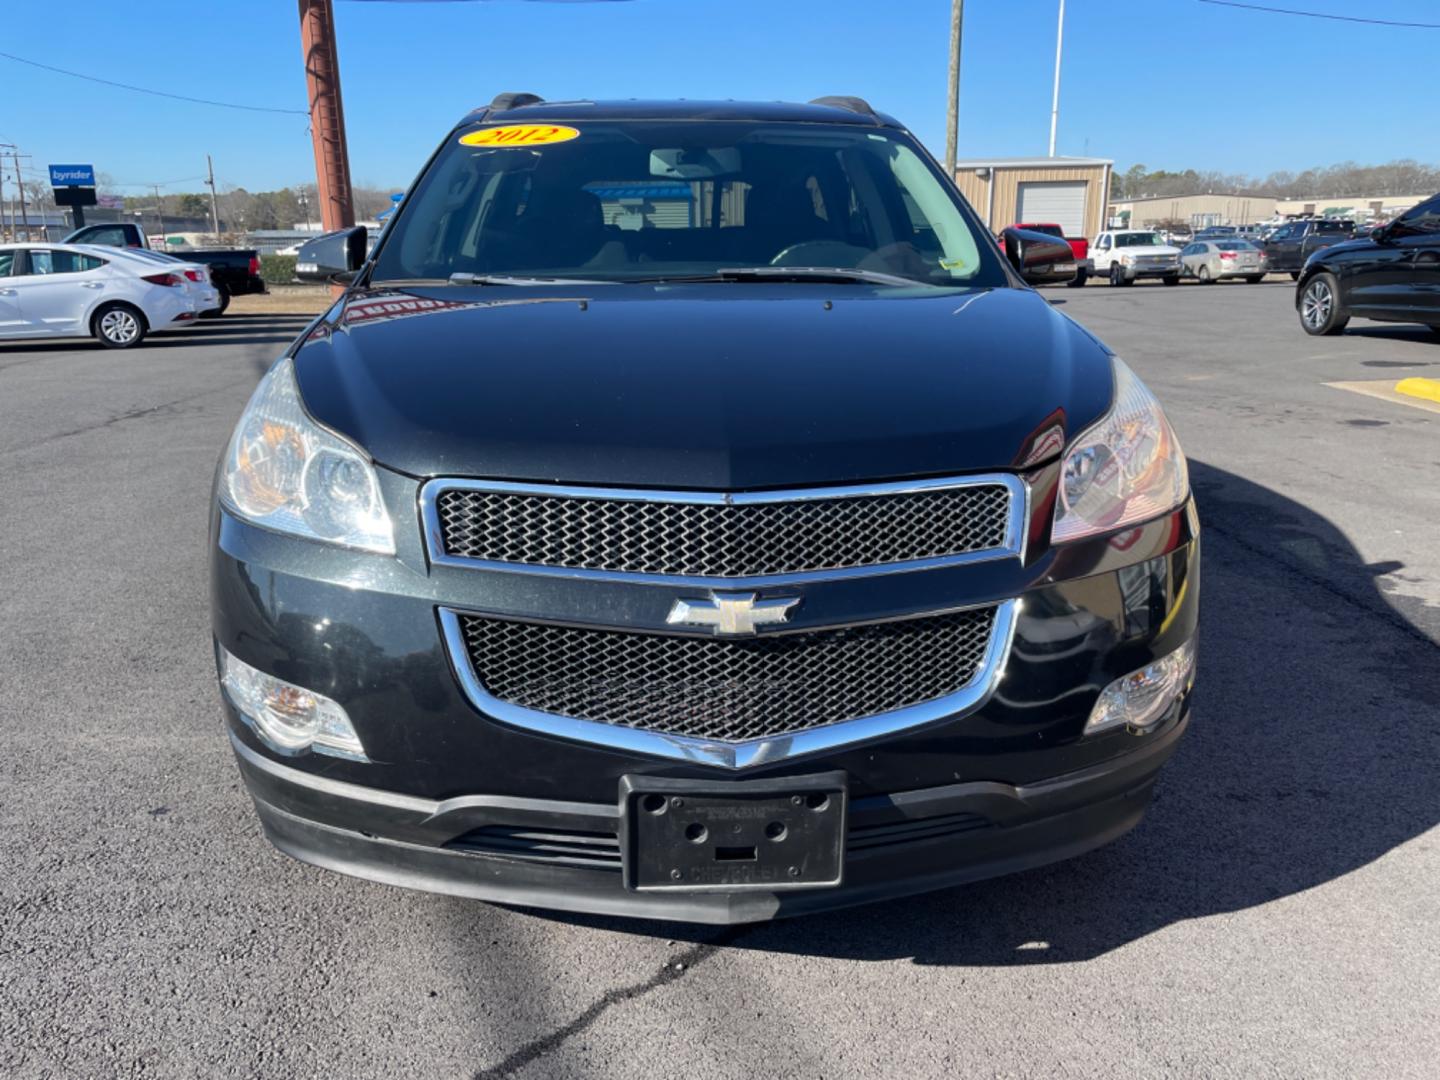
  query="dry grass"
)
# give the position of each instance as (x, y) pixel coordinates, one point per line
(283, 300)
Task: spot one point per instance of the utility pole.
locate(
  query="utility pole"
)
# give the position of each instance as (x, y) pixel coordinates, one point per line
(327, 114)
(1055, 100)
(952, 109)
(2, 202)
(214, 211)
(20, 185)
(160, 213)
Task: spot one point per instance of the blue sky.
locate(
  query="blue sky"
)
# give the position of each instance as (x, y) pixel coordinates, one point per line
(1213, 87)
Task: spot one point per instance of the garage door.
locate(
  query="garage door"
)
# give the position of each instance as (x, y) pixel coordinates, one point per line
(1060, 201)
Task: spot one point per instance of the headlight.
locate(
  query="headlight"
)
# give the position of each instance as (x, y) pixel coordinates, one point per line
(1125, 469)
(285, 472)
(1140, 700)
(289, 718)
(1124, 260)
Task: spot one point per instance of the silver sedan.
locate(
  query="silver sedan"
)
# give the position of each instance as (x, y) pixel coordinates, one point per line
(1213, 260)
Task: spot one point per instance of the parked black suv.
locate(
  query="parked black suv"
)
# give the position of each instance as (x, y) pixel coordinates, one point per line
(687, 511)
(1392, 275)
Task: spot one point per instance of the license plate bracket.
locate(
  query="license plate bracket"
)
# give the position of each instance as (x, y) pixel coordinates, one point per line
(731, 835)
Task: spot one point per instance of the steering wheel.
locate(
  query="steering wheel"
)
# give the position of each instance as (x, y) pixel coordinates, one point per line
(819, 253)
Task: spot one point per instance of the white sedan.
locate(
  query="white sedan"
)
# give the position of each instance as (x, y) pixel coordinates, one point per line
(74, 290)
(197, 275)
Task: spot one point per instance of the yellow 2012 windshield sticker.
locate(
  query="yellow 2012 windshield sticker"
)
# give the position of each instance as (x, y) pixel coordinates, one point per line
(520, 135)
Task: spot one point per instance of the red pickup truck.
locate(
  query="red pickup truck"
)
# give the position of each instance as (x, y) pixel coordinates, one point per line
(1078, 244)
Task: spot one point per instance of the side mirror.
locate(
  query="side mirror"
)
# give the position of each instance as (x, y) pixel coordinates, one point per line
(1383, 234)
(1039, 257)
(333, 257)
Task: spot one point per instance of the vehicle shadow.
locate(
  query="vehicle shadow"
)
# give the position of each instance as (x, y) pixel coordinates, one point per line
(1394, 332)
(253, 330)
(1312, 753)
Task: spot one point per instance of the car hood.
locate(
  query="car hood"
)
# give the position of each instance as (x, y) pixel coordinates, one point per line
(708, 386)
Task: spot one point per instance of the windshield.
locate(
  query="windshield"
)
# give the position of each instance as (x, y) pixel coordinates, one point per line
(655, 200)
(1137, 239)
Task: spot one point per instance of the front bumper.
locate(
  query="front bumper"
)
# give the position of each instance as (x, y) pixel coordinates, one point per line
(560, 855)
(448, 790)
(1160, 270)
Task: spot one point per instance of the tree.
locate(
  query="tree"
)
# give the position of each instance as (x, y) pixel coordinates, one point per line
(1404, 177)
(39, 195)
(370, 202)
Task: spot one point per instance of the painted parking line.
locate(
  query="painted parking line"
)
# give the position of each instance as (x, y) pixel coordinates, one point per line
(1385, 390)
(1425, 389)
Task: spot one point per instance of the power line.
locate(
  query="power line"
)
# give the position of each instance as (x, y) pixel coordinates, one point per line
(1322, 15)
(155, 93)
(155, 183)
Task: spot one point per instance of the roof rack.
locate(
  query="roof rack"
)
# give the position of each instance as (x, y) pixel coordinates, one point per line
(849, 104)
(514, 99)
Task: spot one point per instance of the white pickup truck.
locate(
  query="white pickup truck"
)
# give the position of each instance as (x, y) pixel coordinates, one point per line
(1127, 254)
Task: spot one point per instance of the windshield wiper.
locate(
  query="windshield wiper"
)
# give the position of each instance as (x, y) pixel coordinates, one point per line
(514, 279)
(841, 274)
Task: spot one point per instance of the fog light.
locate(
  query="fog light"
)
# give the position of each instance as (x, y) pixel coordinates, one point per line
(287, 717)
(1139, 700)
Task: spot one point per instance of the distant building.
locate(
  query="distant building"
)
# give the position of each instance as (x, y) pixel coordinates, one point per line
(1201, 211)
(1066, 191)
(1355, 207)
(1198, 211)
(42, 224)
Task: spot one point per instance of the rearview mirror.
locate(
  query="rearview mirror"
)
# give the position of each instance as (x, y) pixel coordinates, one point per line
(333, 257)
(1040, 258)
(690, 163)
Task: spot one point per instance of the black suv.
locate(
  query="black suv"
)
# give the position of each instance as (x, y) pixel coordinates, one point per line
(1392, 275)
(688, 511)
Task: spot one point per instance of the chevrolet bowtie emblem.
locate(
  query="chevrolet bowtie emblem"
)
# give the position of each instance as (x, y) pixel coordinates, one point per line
(738, 613)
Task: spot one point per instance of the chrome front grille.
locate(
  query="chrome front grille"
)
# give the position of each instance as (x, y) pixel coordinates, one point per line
(729, 690)
(723, 537)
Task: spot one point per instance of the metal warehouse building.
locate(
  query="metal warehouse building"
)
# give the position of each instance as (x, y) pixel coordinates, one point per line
(1197, 210)
(1069, 191)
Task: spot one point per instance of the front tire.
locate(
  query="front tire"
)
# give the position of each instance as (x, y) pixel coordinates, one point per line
(1171, 279)
(118, 326)
(1117, 275)
(1078, 281)
(1254, 279)
(1319, 307)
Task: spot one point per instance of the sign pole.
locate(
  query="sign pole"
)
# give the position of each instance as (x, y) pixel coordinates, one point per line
(1055, 98)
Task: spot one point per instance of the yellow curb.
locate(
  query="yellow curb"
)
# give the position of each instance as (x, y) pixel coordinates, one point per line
(1429, 389)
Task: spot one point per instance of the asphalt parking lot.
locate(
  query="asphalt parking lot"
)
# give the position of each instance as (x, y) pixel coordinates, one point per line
(1277, 914)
